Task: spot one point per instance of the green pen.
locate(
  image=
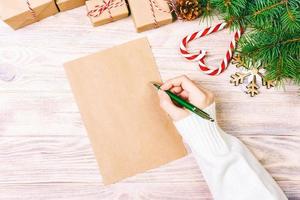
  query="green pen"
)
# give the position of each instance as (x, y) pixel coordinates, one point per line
(186, 104)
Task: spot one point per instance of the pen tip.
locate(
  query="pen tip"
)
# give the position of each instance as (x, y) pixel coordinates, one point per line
(155, 85)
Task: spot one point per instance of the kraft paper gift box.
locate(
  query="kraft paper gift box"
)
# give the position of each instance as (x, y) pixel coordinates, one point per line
(64, 5)
(128, 130)
(17, 13)
(149, 14)
(112, 11)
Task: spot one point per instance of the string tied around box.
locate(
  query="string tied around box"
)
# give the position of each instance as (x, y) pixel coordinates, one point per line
(107, 5)
(33, 14)
(200, 56)
(154, 5)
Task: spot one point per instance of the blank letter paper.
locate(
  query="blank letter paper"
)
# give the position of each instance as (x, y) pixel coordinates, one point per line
(128, 130)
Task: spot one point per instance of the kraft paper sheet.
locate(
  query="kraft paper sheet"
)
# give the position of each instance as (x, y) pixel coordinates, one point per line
(128, 130)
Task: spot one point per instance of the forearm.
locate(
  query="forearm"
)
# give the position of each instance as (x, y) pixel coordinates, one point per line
(229, 168)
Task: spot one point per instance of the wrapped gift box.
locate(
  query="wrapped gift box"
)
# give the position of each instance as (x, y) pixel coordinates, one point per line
(64, 5)
(148, 14)
(101, 12)
(20, 13)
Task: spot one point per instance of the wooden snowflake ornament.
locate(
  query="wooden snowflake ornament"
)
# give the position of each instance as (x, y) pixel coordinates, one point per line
(238, 78)
(252, 87)
(249, 75)
(237, 61)
(268, 83)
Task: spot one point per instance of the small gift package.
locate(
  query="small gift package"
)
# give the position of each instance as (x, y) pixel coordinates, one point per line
(20, 13)
(128, 130)
(64, 5)
(101, 12)
(148, 14)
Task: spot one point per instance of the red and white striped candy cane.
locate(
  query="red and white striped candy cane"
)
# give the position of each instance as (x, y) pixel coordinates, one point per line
(199, 57)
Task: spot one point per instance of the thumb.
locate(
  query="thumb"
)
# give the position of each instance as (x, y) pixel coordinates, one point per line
(166, 103)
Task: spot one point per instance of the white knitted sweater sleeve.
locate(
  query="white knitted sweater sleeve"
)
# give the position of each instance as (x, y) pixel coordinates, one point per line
(229, 168)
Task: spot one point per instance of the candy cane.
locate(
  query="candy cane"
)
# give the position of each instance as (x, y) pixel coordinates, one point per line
(199, 57)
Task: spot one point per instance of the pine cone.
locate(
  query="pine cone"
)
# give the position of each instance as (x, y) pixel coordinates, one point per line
(188, 9)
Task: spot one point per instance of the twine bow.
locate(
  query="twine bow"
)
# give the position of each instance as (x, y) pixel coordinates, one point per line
(107, 5)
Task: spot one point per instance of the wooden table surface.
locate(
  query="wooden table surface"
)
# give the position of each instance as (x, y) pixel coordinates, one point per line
(44, 149)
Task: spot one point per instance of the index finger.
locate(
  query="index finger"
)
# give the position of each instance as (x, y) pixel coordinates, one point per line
(182, 81)
(174, 82)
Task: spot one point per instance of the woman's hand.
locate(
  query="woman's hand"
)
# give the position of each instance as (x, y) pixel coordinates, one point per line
(186, 89)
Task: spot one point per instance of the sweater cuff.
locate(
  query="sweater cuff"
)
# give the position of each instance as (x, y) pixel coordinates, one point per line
(203, 136)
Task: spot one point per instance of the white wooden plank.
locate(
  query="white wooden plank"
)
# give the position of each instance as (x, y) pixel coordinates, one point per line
(70, 159)
(54, 114)
(135, 191)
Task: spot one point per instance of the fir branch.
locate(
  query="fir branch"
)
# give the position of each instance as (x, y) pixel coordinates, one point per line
(269, 7)
(291, 40)
(273, 33)
(257, 50)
